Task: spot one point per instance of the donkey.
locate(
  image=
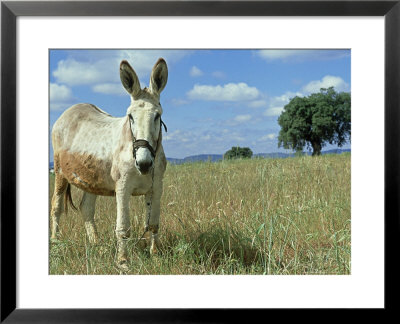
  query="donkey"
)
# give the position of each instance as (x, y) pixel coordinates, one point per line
(107, 156)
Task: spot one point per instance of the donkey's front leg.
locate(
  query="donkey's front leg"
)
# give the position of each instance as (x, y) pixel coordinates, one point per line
(123, 227)
(153, 200)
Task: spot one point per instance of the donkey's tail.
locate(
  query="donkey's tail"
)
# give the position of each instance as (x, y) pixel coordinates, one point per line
(68, 199)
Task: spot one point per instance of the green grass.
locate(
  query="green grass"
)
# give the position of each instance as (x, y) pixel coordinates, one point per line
(259, 216)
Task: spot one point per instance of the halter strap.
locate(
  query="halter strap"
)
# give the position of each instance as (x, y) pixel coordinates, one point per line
(162, 123)
(143, 143)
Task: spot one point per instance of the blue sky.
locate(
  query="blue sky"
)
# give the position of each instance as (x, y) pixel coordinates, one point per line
(214, 99)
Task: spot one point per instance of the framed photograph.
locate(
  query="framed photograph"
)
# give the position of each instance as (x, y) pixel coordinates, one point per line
(233, 68)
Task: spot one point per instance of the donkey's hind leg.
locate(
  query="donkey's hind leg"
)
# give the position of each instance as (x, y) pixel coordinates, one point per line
(87, 208)
(60, 186)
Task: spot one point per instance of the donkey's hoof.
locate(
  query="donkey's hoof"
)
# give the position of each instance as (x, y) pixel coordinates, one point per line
(145, 241)
(93, 240)
(155, 246)
(123, 265)
(153, 250)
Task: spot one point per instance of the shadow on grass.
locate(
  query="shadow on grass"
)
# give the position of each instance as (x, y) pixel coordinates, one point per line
(215, 248)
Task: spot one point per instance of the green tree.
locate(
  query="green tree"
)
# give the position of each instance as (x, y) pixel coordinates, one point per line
(237, 152)
(313, 121)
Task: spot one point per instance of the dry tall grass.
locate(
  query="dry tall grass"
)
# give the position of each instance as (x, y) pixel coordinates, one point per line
(259, 216)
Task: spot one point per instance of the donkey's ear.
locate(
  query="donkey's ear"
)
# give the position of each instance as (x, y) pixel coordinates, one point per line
(129, 79)
(159, 76)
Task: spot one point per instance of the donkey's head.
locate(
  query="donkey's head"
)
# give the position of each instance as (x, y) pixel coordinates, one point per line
(145, 112)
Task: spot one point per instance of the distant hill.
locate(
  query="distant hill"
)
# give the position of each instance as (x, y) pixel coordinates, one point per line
(285, 155)
(218, 157)
(197, 158)
(336, 151)
(275, 155)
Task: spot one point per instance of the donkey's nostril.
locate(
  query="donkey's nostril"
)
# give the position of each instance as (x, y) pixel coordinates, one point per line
(145, 166)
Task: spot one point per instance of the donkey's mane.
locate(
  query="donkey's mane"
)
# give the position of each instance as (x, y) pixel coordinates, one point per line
(99, 110)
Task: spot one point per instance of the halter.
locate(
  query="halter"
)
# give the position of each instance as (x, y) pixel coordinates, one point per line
(137, 143)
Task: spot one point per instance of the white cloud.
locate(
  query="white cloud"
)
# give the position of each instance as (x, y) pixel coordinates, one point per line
(290, 55)
(326, 82)
(267, 137)
(179, 102)
(143, 60)
(73, 72)
(177, 136)
(195, 72)
(242, 118)
(274, 111)
(228, 92)
(230, 138)
(235, 121)
(284, 98)
(110, 89)
(276, 104)
(92, 67)
(60, 92)
(60, 97)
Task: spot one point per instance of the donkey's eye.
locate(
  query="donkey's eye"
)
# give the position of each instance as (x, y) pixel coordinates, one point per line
(156, 117)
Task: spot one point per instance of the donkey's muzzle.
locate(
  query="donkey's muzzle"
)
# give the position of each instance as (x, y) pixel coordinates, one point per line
(144, 167)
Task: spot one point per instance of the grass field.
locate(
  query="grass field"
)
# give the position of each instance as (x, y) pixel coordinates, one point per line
(259, 216)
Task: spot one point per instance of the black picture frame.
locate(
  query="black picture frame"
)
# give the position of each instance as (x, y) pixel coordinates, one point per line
(10, 10)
